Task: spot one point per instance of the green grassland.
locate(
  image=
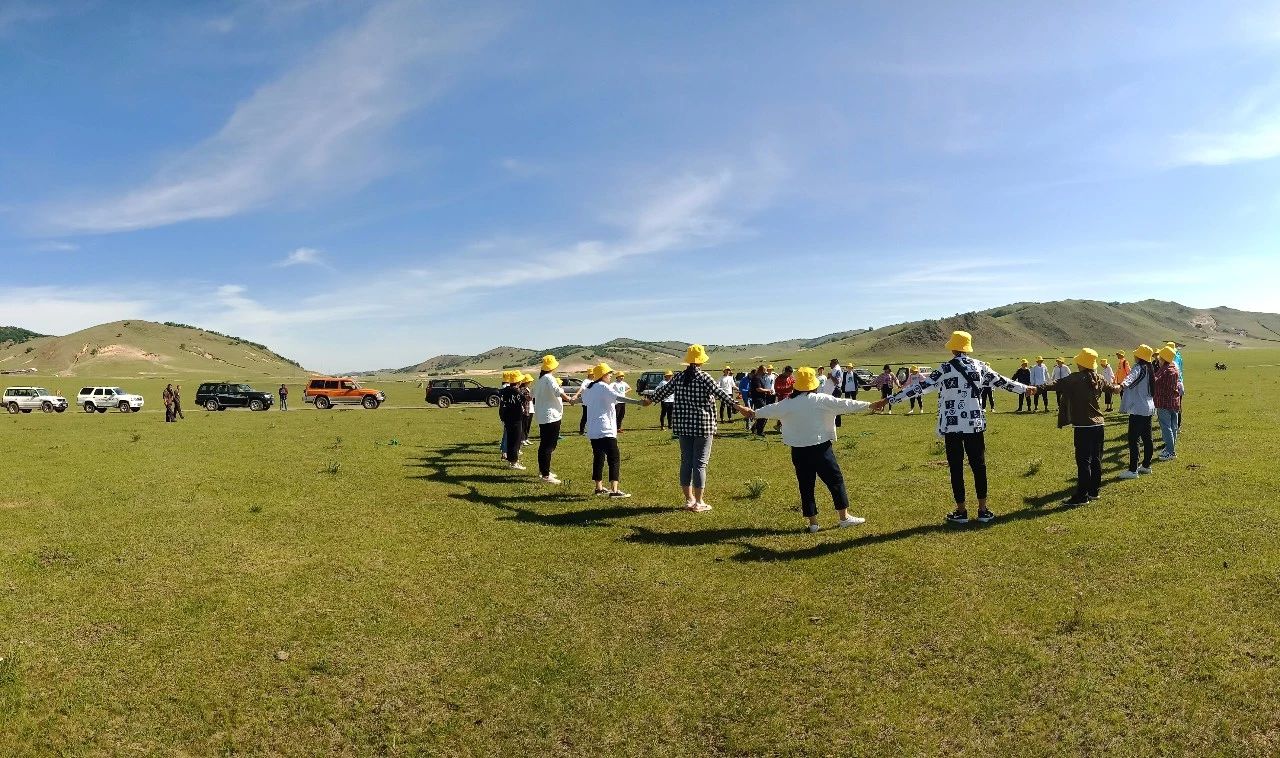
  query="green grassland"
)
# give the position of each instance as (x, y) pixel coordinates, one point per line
(359, 582)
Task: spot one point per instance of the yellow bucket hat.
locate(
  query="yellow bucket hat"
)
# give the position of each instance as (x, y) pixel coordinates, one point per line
(619, 374)
(559, 381)
(695, 354)
(914, 369)
(1039, 358)
(1167, 354)
(1087, 358)
(1119, 353)
(769, 367)
(1025, 362)
(1103, 361)
(549, 363)
(806, 379)
(961, 342)
(510, 377)
(1144, 352)
(527, 379)
(601, 369)
(668, 373)
(728, 368)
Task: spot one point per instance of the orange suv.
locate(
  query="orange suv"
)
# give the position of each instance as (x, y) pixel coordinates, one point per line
(327, 392)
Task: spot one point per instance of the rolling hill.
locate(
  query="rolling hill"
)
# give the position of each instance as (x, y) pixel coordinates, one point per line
(1052, 328)
(143, 348)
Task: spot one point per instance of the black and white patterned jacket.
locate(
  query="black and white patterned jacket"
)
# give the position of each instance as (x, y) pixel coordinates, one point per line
(960, 382)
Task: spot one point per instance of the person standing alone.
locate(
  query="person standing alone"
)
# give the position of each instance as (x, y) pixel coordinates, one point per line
(284, 397)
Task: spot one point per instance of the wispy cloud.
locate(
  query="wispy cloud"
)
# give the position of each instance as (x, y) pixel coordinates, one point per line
(56, 246)
(318, 128)
(1258, 142)
(303, 256)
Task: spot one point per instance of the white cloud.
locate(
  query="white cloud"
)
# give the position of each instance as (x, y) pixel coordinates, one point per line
(1258, 142)
(317, 128)
(56, 246)
(57, 310)
(303, 256)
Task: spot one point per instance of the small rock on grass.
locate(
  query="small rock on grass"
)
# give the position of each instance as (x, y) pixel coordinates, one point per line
(282, 655)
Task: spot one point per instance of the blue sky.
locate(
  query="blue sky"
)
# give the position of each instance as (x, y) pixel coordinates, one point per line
(366, 184)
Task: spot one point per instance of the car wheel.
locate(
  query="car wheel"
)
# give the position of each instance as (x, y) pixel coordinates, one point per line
(444, 401)
(13, 408)
(255, 405)
(491, 401)
(88, 408)
(322, 402)
(211, 405)
(370, 402)
(46, 406)
(124, 406)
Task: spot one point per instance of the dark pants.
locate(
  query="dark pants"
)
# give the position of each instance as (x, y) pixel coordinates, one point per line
(973, 445)
(726, 411)
(620, 411)
(177, 410)
(988, 399)
(1039, 397)
(1021, 400)
(818, 462)
(604, 449)
(582, 425)
(168, 413)
(1088, 460)
(525, 426)
(548, 438)
(1139, 431)
(1107, 394)
(758, 427)
(920, 402)
(284, 402)
(664, 414)
(511, 435)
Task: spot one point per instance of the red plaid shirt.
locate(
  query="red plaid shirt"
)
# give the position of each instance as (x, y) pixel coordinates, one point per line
(1168, 387)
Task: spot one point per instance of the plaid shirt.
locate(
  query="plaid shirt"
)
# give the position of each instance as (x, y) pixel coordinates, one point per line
(694, 414)
(1168, 387)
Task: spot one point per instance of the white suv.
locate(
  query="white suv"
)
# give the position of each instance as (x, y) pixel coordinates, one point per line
(27, 399)
(102, 399)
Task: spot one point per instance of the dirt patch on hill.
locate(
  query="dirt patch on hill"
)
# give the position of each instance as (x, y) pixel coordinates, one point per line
(127, 352)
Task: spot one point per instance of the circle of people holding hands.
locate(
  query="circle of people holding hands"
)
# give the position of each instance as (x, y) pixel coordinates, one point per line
(807, 406)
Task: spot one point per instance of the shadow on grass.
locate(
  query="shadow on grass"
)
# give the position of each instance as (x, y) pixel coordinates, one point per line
(602, 515)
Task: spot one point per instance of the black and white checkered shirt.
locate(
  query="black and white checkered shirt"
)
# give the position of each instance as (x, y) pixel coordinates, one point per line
(694, 414)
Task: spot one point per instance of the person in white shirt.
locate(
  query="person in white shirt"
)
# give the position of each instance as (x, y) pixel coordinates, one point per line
(548, 411)
(622, 388)
(961, 422)
(914, 378)
(668, 405)
(809, 428)
(1039, 376)
(767, 381)
(728, 384)
(826, 385)
(836, 374)
(602, 399)
(1108, 377)
(1059, 372)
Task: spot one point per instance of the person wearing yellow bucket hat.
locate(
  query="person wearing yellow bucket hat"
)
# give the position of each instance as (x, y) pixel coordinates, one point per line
(549, 399)
(1167, 392)
(728, 384)
(1039, 375)
(809, 427)
(666, 407)
(693, 421)
(601, 401)
(1078, 407)
(622, 388)
(1137, 401)
(526, 393)
(1108, 375)
(1023, 375)
(511, 405)
(961, 422)
(914, 377)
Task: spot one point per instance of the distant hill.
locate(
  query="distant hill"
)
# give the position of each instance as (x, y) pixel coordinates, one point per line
(12, 335)
(1053, 328)
(144, 348)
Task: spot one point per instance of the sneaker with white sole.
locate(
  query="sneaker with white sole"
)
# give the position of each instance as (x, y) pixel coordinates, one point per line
(958, 517)
(985, 516)
(851, 521)
(1144, 469)
(814, 528)
(517, 466)
(619, 494)
(700, 508)
(552, 479)
(1127, 474)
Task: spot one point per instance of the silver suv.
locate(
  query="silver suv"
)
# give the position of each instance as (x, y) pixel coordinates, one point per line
(102, 399)
(28, 399)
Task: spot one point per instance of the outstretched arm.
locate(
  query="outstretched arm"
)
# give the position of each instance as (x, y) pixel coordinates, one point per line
(842, 404)
(924, 386)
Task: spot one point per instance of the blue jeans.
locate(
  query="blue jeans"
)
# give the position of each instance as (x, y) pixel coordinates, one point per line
(695, 453)
(1168, 430)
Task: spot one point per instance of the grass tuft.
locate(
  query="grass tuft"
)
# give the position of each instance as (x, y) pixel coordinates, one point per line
(755, 487)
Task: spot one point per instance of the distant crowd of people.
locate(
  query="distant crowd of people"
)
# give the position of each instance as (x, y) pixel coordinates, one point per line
(807, 405)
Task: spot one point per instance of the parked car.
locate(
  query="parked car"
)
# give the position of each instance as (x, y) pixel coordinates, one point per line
(648, 381)
(219, 396)
(446, 392)
(28, 399)
(905, 371)
(101, 399)
(326, 392)
(865, 378)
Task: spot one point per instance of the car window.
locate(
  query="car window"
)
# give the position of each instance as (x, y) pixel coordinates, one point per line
(243, 388)
(347, 385)
(331, 384)
(117, 391)
(85, 390)
(317, 384)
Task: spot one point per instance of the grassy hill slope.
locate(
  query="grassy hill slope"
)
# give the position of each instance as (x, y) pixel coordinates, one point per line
(144, 348)
(1053, 328)
(14, 335)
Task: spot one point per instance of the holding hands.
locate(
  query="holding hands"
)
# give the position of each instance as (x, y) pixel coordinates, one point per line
(879, 405)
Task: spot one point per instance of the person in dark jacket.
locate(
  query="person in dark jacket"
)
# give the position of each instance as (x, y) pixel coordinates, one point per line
(511, 413)
(177, 403)
(1079, 392)
(1023, 375)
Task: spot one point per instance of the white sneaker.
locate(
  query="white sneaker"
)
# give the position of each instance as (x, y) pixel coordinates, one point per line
(814, 528)
(700, 508)
(851, 521)
(1127, 474)
(552, 479)
(518, 466)
(1165, 457)
(1144, 469)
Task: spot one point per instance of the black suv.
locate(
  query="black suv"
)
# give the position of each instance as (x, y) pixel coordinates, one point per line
(446, 392)
(219, 396)
(649, 381)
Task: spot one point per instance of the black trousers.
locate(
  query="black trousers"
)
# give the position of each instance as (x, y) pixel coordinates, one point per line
(582, 425)
(988, 399)
(1023, 399)
(664, 414)
(1041, 396)
(512, 429)
(604, 449)
(974, 446)
(818, 462)
(758, 427)
(548, 438)
(525, 426)
(726, 411)
(1107, 395)
(1088, 460)
(620, 411)
(1139, 431)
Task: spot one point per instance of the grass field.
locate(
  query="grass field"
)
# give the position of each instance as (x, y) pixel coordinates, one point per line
(354, 583)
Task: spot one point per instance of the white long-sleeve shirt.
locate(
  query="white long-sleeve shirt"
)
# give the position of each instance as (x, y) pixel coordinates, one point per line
(548, 400)
(601, 401)
(1060, 371)
(1039, 374)
(1108, 375)
(809, 418)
